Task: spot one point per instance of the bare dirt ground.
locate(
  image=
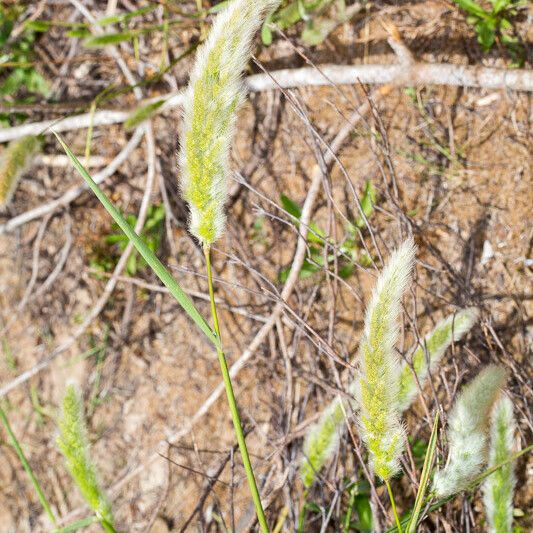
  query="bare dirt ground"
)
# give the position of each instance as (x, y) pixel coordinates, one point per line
(452, 166)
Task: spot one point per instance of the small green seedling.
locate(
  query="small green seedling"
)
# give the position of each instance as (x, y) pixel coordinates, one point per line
(16, 58)
(319, 17)
(348, 253)
(495, 24)
(151, 234)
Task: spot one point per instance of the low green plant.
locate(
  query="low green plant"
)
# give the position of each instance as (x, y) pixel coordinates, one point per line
(348, 253)
(319, 18)
(17, 68)
(152, 233)
(495, 24)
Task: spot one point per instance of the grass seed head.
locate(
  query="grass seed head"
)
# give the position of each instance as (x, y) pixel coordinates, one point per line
(213, 96)
(321, 441)
(467, 431)
(378, 384)
(498, 488)
(451, 329)
(74, 445)
(14, 161)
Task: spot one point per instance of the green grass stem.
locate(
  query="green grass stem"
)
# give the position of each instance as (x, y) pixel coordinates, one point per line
(27, 467)
(393, 504)
(233, 402)
(424, 477)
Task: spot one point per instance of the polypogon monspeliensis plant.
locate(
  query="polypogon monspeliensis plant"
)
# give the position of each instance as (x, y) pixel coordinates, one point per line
(74, 445)
(322, 439)
(467, 431)
(212, 99)
(498, 488)
(14, 161)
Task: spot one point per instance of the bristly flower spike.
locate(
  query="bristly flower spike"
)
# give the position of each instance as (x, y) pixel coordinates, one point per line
(214, 93)
(74, 445)
(467, 428)
(321, 441)
(14, 161)
(434, 345)
(378, 383)
(498, 488)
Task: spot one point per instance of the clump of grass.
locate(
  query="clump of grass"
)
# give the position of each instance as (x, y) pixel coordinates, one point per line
(498, 488)
(14, 161)
(467, 428)
(378, 385)
(323, 437)
(213, 96)
(74, 445)
(427, 357)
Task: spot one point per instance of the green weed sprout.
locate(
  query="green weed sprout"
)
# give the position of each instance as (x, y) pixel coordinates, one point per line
(14, 161)
(498, 488)
(74, 445)
(467, 427)
(378, 385)
(323, 437)
(451, 329)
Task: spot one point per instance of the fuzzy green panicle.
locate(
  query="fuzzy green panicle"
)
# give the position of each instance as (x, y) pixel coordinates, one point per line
(378, 384)
(434, 345)
(74, 445)
(14, 161)
(467, 427)
(321, 441)
(214, 93)
(498, 488)
(318, 451)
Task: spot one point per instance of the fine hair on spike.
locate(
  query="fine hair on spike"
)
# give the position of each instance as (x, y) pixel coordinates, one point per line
(467, 426)
(318, 451)
(434, 345)
(321, 441)
(378, 385)
(74, 445)
(498, 488)
(213, 96)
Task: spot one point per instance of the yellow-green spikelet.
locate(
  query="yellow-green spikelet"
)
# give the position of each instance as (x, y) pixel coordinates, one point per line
(379, 369)
(13, 162)
(215, 91)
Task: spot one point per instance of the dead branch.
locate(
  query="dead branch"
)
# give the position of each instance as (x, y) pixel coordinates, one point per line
(403, 74)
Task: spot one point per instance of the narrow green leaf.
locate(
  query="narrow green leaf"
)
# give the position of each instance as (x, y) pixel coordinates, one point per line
(424, 477)
(79, 524)
(162, 273)
(472, 7)
(37, 25)
(141, 114)
(109, 38)
(367, 203)
(114, 19)
(27, 467)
